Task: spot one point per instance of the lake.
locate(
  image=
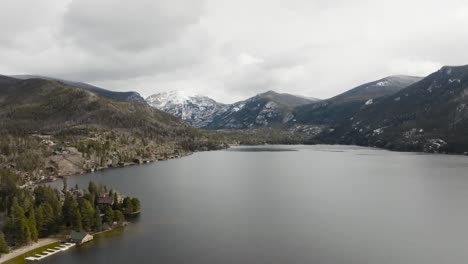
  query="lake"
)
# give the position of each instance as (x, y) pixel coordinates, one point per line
(289, 204)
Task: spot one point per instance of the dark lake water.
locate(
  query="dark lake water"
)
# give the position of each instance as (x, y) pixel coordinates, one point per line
(310, 204)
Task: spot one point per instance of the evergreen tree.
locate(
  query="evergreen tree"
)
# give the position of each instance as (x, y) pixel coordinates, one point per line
(87, 214)
(116, 205)
(96, 199)
(32, 225)
(40, 221)
(127, 205)
(65, 184)
(119, 217)
(66, 208)
(8, 188)
(109, 215)
(17, 225)
(71, 213)
(136, 205)
(97, 220)
(76, 221)
(3, 244)
(45, 194)
(45, 220)
(92, 187)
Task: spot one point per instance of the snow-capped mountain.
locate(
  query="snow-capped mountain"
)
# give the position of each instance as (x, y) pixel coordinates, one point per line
(196, 110)
(264, 110)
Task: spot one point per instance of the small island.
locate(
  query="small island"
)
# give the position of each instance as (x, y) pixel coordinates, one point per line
(66, 214)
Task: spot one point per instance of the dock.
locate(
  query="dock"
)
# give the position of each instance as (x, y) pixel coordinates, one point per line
(49, 252)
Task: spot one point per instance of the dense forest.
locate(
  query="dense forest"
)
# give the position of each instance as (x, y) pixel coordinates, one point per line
(31, 214)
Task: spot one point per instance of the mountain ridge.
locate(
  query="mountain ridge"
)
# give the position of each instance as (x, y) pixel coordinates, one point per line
(130, 96)
(197, 110)
(204, 112)
(429, 115)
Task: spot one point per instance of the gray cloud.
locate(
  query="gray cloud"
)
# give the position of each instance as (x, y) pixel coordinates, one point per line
(231, 49)
(129, 25)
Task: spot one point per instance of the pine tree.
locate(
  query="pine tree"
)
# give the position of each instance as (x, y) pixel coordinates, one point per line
(32, 225)
(136, 205)
(127, 206)
(3, 244)
(75, 216)
(66, 208)
(76, 222)
(71, 213)
(97, 220)
(116, 205)
(65, 184)
(87, 214)
(40, 221)
(109, 215)
(17, 225)
(92, 187)
(119, 217)
(45, 220)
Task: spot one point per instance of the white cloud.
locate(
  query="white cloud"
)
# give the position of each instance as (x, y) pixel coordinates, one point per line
(231, 49)
(246, 59)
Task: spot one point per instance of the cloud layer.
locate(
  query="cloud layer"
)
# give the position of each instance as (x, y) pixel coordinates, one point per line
(228, 49)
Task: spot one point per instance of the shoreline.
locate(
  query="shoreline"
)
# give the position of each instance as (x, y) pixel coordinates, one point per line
(259, 145)
(43, 242)
(129, 164)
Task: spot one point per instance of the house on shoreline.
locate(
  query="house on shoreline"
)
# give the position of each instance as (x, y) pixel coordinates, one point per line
(80, 237)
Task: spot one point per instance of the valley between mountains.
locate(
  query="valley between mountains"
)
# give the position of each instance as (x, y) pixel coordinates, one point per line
(404, 113)
(59, 127)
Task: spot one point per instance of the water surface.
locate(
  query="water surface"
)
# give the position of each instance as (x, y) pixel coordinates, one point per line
(317, 204)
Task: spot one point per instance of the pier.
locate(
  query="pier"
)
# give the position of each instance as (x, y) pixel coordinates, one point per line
(49, 252)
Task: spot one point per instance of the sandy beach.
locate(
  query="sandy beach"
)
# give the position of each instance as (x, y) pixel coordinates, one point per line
(25, 249)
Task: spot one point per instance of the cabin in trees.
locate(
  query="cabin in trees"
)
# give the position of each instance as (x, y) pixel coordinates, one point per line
(106, 199)
(80, 237)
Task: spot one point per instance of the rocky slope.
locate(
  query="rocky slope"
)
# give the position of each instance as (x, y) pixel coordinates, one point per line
(196, 110)
(268, 109)
(50, 128)
(345, 105)
(430, 115)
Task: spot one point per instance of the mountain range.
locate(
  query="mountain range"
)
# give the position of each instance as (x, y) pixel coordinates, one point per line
(38, 104)
(269, 109)
(397, 112)
(429, 115)
(272, 109)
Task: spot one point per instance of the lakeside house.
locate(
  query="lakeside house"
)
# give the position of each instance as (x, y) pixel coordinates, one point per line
(106, 199)
(80, 237)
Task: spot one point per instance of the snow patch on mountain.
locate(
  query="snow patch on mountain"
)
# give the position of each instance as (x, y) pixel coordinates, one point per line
(382, 83)
(195, 109)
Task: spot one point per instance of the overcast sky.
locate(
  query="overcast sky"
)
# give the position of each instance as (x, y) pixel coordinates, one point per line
(231, 49)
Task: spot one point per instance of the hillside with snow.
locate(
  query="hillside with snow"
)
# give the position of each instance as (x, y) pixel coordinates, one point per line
(196, 110)
(268, 109)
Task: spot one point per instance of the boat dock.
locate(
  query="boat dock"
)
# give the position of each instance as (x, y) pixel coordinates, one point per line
(49, 252)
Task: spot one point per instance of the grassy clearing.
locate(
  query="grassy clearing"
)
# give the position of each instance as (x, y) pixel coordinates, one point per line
(20, 259)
